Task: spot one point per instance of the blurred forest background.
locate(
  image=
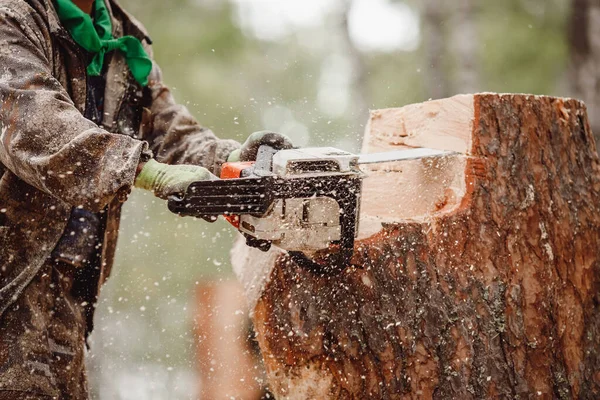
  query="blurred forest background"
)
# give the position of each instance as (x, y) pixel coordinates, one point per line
(310, 69)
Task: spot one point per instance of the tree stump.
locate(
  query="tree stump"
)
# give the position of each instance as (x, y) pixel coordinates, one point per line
(480, 271)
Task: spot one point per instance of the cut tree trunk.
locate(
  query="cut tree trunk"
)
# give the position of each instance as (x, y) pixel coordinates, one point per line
(479, 272)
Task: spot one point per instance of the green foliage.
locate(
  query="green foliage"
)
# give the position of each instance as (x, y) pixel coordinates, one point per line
(523, 46)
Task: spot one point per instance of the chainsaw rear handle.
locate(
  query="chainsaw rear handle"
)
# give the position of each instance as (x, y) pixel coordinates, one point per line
(179, 204)
(263, 166)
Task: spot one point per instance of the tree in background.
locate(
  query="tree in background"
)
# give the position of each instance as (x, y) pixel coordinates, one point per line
(434, 45)
(584, 46)
(451, 47)
(360, 92)
(465, 46)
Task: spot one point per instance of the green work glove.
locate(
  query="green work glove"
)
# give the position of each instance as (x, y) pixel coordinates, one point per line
(166, 180)
(250, 147)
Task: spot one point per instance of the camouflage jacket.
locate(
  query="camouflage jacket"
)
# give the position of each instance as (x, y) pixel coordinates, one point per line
(52, 158)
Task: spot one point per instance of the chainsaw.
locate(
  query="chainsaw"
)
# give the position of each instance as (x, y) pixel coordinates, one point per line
(305, 201)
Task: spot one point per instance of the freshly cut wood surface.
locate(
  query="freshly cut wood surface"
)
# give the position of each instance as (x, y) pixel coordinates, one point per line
(475, 276)
(444, 124)
(414, 189)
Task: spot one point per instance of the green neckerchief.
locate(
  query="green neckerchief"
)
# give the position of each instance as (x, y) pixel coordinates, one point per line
(96, 37)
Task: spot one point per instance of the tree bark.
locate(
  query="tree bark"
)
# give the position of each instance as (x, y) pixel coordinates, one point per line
(478, 274)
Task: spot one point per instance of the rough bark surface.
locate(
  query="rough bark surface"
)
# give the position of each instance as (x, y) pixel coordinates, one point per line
(497, 298)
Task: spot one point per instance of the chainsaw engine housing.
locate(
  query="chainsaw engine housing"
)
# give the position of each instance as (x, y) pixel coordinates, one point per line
(308, 223)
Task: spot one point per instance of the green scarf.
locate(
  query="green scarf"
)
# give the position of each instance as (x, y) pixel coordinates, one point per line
(96, 37)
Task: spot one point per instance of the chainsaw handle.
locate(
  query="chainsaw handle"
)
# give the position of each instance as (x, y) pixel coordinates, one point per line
(263, 166)
(177, 202)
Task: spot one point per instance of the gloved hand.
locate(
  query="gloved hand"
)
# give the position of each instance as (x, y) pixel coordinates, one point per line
(166, 180)
(250, 147)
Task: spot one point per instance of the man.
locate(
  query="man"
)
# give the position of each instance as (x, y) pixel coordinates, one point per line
(84, 116)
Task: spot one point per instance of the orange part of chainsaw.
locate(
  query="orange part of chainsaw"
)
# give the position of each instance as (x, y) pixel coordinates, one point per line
(233, 170)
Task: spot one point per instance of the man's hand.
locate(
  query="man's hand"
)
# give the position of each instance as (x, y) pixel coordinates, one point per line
(250, 147)
(166, 180)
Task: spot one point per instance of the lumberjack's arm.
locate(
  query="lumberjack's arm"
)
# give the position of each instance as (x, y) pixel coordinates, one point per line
(175, 136)
(44, 138)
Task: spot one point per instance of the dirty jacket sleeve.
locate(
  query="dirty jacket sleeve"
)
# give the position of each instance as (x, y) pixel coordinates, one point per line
(175, 136)
(44, 138)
